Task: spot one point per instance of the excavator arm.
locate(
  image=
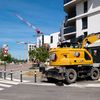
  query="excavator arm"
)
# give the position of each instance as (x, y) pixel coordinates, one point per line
(90, 39)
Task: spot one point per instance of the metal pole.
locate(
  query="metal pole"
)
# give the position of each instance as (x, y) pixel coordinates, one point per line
(21, 76)
(5, 75)
(35, 77)
(11, 75)
(0, 73)
(4, 70)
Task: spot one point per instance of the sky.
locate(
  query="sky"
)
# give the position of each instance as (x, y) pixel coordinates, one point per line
(47, 15)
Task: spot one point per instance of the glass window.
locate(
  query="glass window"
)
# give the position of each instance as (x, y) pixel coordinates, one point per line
(84, 23)
(51, 40)
(85, 6)
(87, 57)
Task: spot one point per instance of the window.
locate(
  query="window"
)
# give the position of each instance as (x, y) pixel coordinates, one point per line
(42, 39)
(51, 40)
(85, 6)
(84, 23)
(87, 57)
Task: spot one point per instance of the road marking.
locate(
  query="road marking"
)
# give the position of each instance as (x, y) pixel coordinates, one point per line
(18, 80)
(9, 82)
(1, 89)
(5, 85)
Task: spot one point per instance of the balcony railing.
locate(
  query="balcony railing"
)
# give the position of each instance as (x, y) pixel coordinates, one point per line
(69, 29)
(66, 1)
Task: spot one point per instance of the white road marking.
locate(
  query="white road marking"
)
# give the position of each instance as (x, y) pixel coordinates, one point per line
(18, 80)
(9, 82)
(5, 85)
(1, 89)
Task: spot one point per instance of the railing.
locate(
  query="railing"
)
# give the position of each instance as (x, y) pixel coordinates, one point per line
(66, 1)
(69, 29)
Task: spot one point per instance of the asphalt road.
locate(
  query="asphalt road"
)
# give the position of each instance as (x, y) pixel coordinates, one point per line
(33, 92)
(14, 90)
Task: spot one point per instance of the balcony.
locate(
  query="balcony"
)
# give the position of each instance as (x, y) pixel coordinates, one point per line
(69, 4)
(72, 12)
(69, 29)
(66, 1)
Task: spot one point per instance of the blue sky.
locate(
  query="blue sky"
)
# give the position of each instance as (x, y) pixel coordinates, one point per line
(47, 15)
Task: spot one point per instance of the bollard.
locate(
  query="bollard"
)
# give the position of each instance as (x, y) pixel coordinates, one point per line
(21, 76)
(35, 77)
(11, 73)
(0, 73)
(5, 75)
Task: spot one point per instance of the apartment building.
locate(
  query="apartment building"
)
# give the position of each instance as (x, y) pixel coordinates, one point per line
(43, 40)
(31, 46)
(82, 18)
(54, 39)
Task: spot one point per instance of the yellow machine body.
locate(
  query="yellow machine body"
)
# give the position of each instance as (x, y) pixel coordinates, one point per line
(91, 38)
(69, 57)
(70, 63)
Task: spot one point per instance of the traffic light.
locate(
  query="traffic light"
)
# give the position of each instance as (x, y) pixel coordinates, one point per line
(5, 50)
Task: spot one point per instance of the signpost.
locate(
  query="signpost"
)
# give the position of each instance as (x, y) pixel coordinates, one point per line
(5, 53)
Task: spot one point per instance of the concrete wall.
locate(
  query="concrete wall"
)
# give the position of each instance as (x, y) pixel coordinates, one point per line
(94, 23)
(79, 8)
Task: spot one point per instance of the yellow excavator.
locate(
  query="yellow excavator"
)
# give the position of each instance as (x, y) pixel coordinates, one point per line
(70, 63)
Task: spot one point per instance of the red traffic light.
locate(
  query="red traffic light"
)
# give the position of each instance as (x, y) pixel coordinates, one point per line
(5, 50)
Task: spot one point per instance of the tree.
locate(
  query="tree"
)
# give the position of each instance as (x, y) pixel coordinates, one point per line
(40, 53)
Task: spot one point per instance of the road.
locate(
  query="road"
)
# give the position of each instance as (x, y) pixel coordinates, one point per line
(34, 92)
(28, 90)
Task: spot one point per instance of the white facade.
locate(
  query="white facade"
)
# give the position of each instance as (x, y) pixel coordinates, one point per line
(92, 14)
(31, 46)
(43, 39)
(54, 39)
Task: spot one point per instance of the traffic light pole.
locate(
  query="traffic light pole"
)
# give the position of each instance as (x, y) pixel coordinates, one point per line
(5, 70)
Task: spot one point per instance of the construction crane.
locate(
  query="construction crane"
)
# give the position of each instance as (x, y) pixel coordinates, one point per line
(29, 24)
(37, 31)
